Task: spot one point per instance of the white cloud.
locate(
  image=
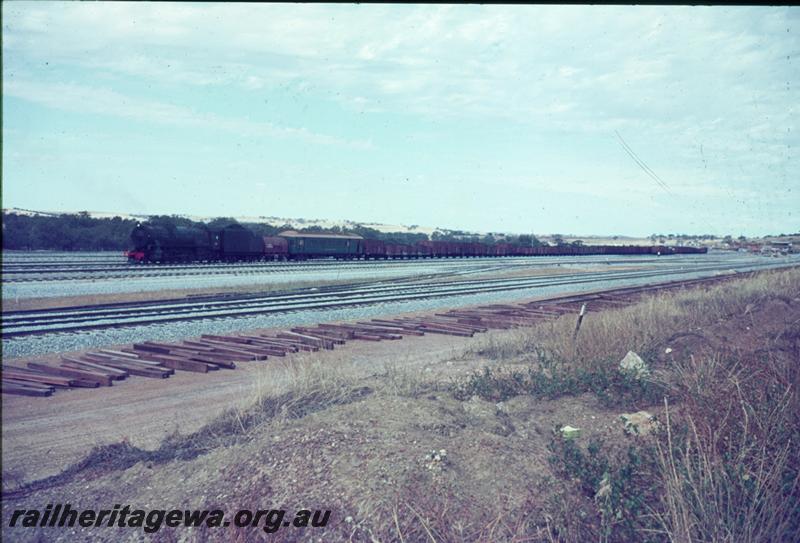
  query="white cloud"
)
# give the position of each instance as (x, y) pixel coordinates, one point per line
(504, 58)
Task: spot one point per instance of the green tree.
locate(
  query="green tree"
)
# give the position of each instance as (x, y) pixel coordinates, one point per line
(221, 222)
(65, 232)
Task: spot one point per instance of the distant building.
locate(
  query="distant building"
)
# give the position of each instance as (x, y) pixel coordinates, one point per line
(784, 247)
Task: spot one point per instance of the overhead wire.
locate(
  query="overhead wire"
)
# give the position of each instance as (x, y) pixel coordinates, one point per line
(650, 173)
(653, 175)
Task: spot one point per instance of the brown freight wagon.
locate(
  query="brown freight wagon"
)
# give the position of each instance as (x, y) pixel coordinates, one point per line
(375, 249)
(276, 248)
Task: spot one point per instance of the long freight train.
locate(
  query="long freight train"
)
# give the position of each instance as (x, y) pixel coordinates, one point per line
(236, 243)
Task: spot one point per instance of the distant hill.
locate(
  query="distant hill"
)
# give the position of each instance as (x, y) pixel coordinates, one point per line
(294, 223)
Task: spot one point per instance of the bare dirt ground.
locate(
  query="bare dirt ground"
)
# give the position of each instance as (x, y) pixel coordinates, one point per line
(42, 436)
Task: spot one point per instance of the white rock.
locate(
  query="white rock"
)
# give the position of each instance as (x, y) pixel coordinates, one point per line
(633, 364)
(639, 423)
(568, 432)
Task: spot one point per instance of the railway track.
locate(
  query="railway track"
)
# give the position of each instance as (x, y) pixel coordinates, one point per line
(78, 319)
(135, 271)
(25, 274)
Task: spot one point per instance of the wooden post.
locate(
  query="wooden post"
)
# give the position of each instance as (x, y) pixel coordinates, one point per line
(578, 324)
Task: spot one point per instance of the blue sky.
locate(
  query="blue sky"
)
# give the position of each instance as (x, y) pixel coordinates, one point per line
(490, 118)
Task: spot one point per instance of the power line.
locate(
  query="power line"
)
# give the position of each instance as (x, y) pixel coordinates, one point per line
(653, 175)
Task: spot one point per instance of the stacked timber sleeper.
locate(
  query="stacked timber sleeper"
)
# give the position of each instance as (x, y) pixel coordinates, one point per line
(213, 352)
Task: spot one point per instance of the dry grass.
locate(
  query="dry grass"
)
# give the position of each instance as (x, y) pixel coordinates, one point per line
(400, 380)
(729, 458)
(608, 335)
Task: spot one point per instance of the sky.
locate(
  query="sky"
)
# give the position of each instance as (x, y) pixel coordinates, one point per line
(626, 120)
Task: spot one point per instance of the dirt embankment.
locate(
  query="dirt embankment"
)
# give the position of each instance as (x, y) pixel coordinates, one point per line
(375, 434)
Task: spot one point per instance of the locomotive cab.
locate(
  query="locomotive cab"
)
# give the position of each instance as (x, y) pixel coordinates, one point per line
(159, 243)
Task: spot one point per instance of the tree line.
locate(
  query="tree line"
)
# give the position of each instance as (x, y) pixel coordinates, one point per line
(68, 232)
(81, 232)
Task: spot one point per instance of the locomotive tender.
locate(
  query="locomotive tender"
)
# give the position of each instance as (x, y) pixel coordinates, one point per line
(158, 243)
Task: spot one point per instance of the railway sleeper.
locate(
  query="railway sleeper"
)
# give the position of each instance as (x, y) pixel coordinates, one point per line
(296, 344)
(78, 366)
(367, 337)
(229, 339)
(261, 352)
(8, 388)
(28, 384)
(482, 322)
(446, 331)
(42, 378)
(129, 362)
(203, 356)
(345, 333)
(266, 340)
(177, 363)
(399, 324)
(450, 324)
(210, 352)
(501, 325)
(85, 375)
(393, 329)
(438, 329)
(262, 342)
(80, 363)
(227, 364)
(338, 337)
(148, 347)
(308, 340)
(121, 354)
(250, 352)
(235, 342)
(372, 329)
(141, 370)
(224, 350)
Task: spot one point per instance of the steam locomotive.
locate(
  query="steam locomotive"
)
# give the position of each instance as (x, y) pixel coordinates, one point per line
(162, 243)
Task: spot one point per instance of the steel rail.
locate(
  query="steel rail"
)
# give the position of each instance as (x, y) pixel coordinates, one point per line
(127, 270)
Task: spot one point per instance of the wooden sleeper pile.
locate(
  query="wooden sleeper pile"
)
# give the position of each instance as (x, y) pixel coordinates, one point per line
(212, 352)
